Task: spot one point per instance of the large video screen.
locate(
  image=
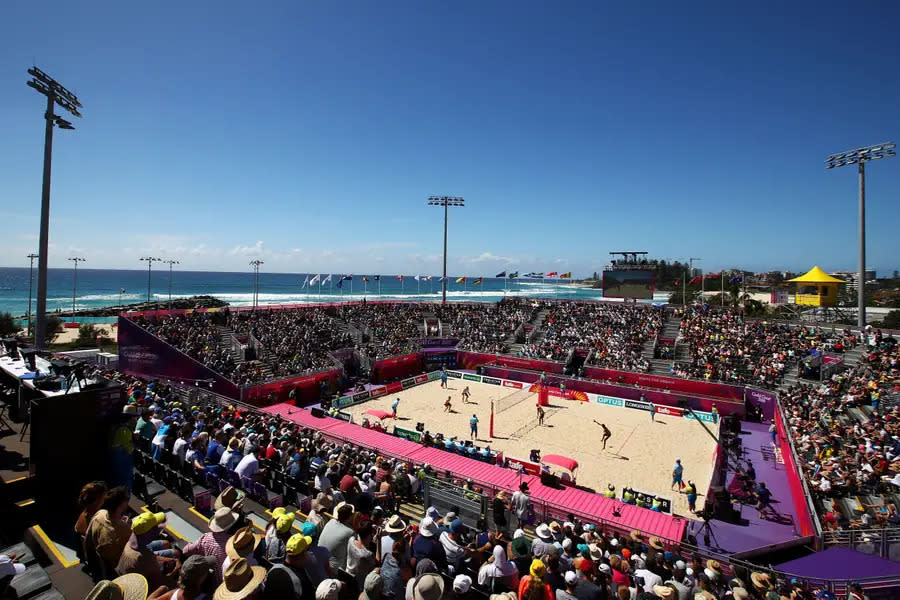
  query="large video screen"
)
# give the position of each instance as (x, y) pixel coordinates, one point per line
(628, 284)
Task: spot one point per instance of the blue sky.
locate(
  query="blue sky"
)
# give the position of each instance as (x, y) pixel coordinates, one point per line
(311, 133)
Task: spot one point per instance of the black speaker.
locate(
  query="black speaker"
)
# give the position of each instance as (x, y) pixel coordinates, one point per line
(549, 479)
(733, 424)
(317, 412)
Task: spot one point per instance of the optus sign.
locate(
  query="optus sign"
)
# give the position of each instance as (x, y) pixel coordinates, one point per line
(703, 416)
(610, 401)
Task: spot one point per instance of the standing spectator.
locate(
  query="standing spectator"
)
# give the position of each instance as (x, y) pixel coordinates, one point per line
(425, 546)
(498, 573)
(360, 559)
(521, 504)
(499, 506)
(532, 586)
(336, 533)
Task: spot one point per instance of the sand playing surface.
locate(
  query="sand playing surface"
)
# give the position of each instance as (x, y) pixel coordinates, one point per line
(640, 454)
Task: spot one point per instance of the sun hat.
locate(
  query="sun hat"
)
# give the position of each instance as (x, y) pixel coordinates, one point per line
(278, 511)
(635, 535)
(284, 523)
(740, 593)
(605, 568)
(537, 568)
(428, 528)
(655, 543)
(298, 544)
(567, 543)
(518, 533)
(341, 505)
(596, 552)
(521, 547)
(372, 586)
(130, 410)
(582, 564)
(147, 522)
(449, 517)
(9, 567)
(395, 524)
(760, 580)
(504, 596)
(132, 586)
(322, 502)
(195, 566)
(328, 589)
(222, 520)
(664, 592)
(555, 527)
(714, 566)
(461, 584)
(239, 581)
(571, 577)
(242, 543)
(543, 532)
(429, 586)
(229, 497)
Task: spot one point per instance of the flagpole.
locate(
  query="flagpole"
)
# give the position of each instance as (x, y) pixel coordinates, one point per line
(379, 285)
(722, 277)
(683, 289)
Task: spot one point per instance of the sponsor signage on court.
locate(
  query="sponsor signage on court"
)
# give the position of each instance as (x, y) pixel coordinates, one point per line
(703, 416)
(360, 397)
(421, 378)
(408, 434)
(519, 464)
(376, 392)
(393, 387)
(669, 410)
(637, 404)
(434, 375)
(490, 380)
(408, 383)
(343, 401)
(609, 400)
(455, 374)
(512, 384)
(470, 377)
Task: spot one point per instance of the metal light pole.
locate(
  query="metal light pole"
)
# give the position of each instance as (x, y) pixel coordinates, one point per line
(255, 264)
(75, 260)
(149, 260)
(56, 94)
(32, 256)
(171, 262)
(691, 263)
(860, 157)
(446, 202)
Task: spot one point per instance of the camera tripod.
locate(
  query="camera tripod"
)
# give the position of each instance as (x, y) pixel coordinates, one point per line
(707, 531)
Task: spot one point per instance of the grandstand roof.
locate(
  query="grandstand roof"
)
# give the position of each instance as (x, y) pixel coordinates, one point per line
(816, 275)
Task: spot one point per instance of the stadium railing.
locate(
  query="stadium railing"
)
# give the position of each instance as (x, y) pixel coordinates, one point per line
(882, 541)
(795, 470)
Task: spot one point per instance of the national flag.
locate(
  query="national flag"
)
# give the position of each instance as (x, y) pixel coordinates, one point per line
(426, 278)
(696, 279)
(500, 274)
(365, 279)
(442, 279)
(314, 280)
(736, 279)
(552, 274)
(340, 283)
(534, 275)
(416, 277)
(461, 280)
(376, 278)
(305, 282)
(399, 277)
(514, 274)
(327, 279)
(567, 275)
(478, 281)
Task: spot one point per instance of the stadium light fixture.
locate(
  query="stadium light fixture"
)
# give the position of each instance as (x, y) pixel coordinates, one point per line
(75, 260)
(56, 95)
(149, 260)
(860, 157)
(31, 257)
(446, 202)
(255, 264)
(171, 262)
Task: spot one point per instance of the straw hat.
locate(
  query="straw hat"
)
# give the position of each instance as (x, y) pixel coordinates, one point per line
(635, 536)
(429, 587)
(322, 502)
(394, 525)
(714, 566)
(664, 592)
(229, 497)
(222, 520)
(596, 552)
(428, 528)
(655, 543)
(760, 580)
(543, 532)
(241, 544)
(132, 586)
(240, 580)
(740, 593)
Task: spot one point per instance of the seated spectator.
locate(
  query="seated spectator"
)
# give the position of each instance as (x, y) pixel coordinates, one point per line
(222, 525)
(147, 554)
(109, 530)
(240, 581)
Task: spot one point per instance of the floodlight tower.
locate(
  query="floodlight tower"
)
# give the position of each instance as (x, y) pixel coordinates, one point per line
(171, 262)
(76, 260)
(446, 202)
(149, 260)
(56, 94)
(255, 264)
(31, 256)
(860, 157)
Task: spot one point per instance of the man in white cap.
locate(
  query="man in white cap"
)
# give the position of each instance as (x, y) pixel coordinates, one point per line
(571, 579)
(426, 544)
(461, 586)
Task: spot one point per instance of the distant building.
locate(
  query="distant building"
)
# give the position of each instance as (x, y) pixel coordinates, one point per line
(851, 277)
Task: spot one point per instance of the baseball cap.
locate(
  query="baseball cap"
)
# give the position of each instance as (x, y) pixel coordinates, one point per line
(298, 544)
(571, 577)
(462, 583)
(194, 567)
(146, 522)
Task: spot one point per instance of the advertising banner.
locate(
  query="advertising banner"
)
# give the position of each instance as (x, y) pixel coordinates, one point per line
(608, 400)
(360, 397)
(512, 384)
(470, 377)
(764, 400)
(343, 401)
(408, 434)
(454, 374)
(377, 392)
(491, 380)
(703, 416)
(637, 404)
(518, 464)
(438, 342)
(392, 388)
(421, 378)
(434, 375)
(408, 383)
(669, 410)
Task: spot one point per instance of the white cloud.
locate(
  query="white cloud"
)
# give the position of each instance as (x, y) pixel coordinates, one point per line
(485, 257)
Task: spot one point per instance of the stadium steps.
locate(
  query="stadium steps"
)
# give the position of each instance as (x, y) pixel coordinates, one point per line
(852, 356)
(227, 340)
(671, 328)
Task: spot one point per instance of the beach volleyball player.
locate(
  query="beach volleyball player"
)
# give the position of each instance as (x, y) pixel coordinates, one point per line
(606, 432)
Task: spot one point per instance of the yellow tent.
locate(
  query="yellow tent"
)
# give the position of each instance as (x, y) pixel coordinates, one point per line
(816, 288)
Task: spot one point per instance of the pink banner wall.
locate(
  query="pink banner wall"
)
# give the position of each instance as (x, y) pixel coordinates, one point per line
(307, 386)
(687, 386)
(804, 518)
(397, 367)
(470, 360)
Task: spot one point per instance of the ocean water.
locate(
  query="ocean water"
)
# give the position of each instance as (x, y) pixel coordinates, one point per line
(97, 288)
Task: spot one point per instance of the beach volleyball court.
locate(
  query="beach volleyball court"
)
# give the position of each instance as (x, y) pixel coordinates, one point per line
(640, 453)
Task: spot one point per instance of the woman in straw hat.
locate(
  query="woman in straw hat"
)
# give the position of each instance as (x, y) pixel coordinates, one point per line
(241, 581)
(241, 545)
(127, 587)
(222, 525)
(533, 586)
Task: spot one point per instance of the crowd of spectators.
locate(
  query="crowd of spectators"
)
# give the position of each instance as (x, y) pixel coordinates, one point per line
(389, 329)
(846, 430)
(196, 335)
(724, 346)
(354, 543)
(292, 341)
(486, 327)
(615, 333)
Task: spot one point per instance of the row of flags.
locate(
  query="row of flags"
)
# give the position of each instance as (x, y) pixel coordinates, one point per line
(318, 280)
(700, 278)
